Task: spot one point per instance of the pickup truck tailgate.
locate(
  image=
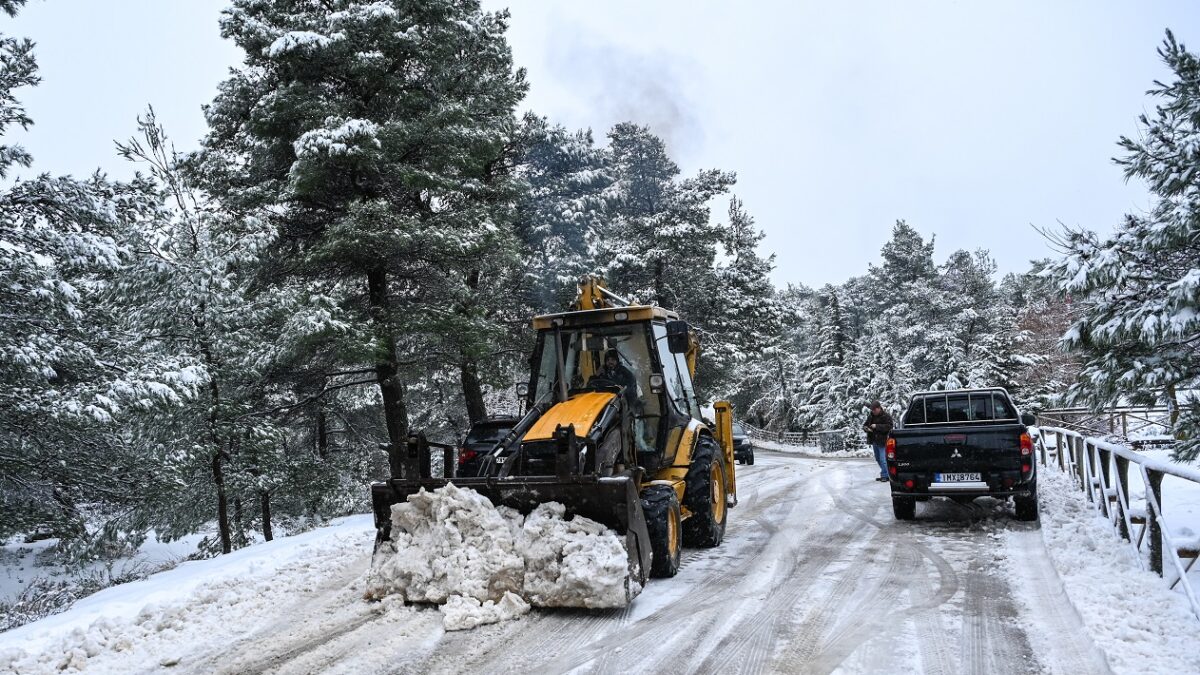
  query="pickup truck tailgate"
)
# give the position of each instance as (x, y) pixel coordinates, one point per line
(959, 448)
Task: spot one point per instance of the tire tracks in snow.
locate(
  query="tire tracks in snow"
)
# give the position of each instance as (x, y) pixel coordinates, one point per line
(813, 654)
(683, 627)
(1063, 645)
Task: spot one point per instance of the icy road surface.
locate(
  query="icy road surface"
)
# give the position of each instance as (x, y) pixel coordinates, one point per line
(815, 576)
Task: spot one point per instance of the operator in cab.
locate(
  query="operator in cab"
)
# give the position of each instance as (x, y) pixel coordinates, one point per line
(615, 373)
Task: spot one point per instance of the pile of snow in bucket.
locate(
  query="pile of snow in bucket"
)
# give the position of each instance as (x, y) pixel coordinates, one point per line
(484, 563)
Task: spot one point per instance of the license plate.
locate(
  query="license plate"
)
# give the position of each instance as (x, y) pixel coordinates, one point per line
(956, 477)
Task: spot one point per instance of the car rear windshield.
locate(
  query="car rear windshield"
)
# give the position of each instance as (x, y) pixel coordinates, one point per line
(984, 406)
(490, 433)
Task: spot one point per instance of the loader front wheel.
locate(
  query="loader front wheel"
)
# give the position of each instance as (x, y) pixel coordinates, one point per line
(664, 523)
(705, 496)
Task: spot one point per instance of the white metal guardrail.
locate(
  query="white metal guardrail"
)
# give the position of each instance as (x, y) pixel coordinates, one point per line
(828, 441)
(1101, 469)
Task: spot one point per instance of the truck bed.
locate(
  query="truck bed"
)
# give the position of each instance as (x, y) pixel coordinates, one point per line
(943, 458)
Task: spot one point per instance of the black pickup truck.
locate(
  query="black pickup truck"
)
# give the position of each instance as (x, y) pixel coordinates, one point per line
(962, 444)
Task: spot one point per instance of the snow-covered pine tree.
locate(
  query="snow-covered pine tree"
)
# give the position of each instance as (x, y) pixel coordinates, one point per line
(1138, 290)
(766, 388)
(66, 367)
(742, 316)
(563, 210)
(191, 292)
(660, 245)
(821, 387)
(377, 133)
(1043, 369)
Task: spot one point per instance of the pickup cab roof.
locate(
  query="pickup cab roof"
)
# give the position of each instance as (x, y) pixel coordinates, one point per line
(960, 406)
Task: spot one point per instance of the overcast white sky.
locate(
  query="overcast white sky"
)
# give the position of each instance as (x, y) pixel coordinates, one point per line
(971, 120)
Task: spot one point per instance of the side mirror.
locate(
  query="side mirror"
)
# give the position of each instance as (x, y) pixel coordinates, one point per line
(656, 383)
(678, 340)
(522, 389)
(1028, 419)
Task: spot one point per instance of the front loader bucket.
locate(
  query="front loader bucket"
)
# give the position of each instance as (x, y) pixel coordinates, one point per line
(611, 501)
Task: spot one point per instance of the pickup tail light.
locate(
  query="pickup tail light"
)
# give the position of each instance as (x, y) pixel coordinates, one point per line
(465, 455)
(1026, 445)
(891, 448)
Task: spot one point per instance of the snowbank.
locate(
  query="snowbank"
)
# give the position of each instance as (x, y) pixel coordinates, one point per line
(1141, 625)
(149, 625)
(484, 564)
(810, 451)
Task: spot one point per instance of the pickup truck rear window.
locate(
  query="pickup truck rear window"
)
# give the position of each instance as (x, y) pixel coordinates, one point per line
(959, 407)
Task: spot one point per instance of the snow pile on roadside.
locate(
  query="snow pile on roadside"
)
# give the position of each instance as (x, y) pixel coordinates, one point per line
(177, 616)
(484, 563)
(1130, 614)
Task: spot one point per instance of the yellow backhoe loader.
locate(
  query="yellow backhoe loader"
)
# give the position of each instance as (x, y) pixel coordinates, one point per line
(614, 432)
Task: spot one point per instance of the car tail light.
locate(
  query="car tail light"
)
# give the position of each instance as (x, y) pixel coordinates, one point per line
(909, 483)
(891, 448)
(892, 470)
(1008, 482)
(1026, 467)
(465, 455)
(1026, 444)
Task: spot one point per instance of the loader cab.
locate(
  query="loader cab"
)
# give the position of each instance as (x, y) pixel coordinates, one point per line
(661, 398)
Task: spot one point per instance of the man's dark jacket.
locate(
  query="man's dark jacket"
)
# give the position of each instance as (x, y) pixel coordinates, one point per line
(622, 377)
(883, 426)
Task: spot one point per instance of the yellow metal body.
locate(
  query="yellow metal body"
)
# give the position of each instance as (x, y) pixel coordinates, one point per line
(580, 410)
(594, 306)
(724, 437)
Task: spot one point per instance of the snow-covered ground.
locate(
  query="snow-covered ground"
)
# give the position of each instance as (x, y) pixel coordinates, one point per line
(1141, 625)
(23, 564)
(810, 451)
(814, 576)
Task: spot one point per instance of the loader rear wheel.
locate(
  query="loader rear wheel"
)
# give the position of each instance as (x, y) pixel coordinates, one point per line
(664, 523)
(704, 496)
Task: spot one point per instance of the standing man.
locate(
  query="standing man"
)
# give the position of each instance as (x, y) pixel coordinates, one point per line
(878, 426)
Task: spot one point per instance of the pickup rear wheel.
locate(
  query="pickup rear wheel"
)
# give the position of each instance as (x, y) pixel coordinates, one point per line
(904, 508)
(1027, 507)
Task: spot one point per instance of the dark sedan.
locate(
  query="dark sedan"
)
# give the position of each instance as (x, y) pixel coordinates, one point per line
(480, 440)
(743, 451)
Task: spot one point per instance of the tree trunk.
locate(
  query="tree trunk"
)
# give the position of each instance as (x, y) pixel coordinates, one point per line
(473, 391)
(658, 283)
(322, 434)
(239, 527)
(222, 503)
(386, 370)
(265, 503)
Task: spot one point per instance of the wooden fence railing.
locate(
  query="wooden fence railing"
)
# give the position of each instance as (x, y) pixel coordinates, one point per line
(828, 441)
(1101, 469)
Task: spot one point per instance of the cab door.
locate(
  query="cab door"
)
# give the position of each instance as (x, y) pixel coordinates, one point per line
(677, 396)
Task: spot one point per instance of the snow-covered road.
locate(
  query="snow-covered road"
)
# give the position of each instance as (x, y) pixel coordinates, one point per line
(814, 576)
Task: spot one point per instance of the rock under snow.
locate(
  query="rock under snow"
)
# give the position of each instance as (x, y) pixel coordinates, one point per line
(484, 563)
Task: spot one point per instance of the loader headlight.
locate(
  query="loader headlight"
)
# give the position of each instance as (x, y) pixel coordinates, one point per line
(656, 383)
(621, 316)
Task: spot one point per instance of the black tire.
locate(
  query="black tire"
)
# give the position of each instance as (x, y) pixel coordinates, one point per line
(705, 527)
(750, 457)
(664, 522)
(904, 508)
(1027, 507)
